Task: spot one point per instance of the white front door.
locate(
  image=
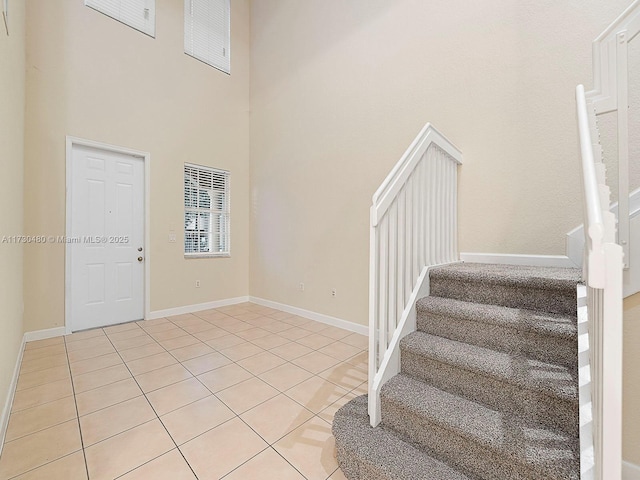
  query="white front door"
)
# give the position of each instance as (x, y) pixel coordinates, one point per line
(106, 242)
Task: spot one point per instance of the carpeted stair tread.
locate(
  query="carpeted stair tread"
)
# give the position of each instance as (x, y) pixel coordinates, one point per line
(554, 380)
(412, 406)
(563, 326)
(546, 278)
(367, 453)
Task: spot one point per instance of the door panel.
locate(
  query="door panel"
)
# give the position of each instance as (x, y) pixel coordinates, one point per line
(107, 225)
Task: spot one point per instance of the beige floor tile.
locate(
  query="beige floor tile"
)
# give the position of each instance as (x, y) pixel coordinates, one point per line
(253, 333)
(43, 343)
(315, 362)
(87, 353)
(97, 363)
(162, 377)
(36, 353)
(279, 315)
(123, 327)
(128, 343)
(210, 315)
(356, 340)
(243, 350)
(247, 394)
(100, 378)
(179, 342)
(178, 395)
(297, 321)
(150, 363)
(116, 419)
(314, 326)
(225, 341)
(328, 413)
(135, 332)
(41, 377)
(310, 448)
(34, 450)
(315, 341)
(291, 351)
(336, 333)
(345, 375)
(94, 342)
(124, 452)
(247, 316)
(196, 418)
(362, 389)
(272, 340)
(206, 363)
(224, 377)
(267, 465)
(211, 334)
(276, 417)
(185, 318)
(285, 376)
(43, 363)
(175, 332)
(261, 362)
(295, 333)
(198, 327)
(222, 449)
(316, 393)
(261, 321)
(170, 466)
(236, 326)
(278, 326)
(38, 418)
(359, 360)
(75, 337)
(158, 327)
(49, 392)
(341, 351)
(135, 353)
(191, 351)
(71, 467)
(103, 397)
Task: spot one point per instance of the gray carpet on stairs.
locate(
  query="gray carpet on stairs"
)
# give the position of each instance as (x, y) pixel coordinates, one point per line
(488, 383)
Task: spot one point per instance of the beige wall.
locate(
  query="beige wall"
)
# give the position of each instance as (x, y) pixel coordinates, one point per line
(340, 89)
(631, 385)
(12, 53)
(92, 77)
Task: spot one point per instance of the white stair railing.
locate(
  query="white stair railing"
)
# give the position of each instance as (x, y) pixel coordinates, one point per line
(603, 274)
(413, 227)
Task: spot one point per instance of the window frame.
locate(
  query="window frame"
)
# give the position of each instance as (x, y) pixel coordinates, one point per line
(150, 5)
(221, 216)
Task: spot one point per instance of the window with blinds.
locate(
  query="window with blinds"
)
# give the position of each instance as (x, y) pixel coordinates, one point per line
(206, 32)
(206, 211)
(138, 14)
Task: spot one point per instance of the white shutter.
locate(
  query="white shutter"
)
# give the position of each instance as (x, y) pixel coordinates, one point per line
(138, 14)
(207, 32)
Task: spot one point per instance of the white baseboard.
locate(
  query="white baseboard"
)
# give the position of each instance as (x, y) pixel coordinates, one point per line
(44, 334)
(198, 307)
(515, 259)
(318, 317)
(630, 471)
(6, 411)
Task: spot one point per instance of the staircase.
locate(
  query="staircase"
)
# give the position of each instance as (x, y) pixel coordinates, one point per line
(488, 384)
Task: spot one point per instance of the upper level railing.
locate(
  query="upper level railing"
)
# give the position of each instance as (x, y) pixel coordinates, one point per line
(413, 226)
(603, 275)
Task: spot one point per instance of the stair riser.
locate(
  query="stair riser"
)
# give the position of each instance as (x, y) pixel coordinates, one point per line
(462, 453)
(503, 339)
(533, 405)
(552, 301)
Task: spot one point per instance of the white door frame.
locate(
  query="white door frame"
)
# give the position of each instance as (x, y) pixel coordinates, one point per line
(146, 157)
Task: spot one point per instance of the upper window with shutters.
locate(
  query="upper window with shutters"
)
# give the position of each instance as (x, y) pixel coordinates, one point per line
(138, 14)
(206, 212)
(207, 32)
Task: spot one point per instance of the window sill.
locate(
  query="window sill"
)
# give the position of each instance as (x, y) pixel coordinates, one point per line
(208, 255)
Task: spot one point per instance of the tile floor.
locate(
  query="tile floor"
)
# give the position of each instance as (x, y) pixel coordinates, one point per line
(239, 392)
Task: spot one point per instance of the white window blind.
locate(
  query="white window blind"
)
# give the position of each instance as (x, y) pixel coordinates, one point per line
(206, 211)
(138, 14)
(206, 32)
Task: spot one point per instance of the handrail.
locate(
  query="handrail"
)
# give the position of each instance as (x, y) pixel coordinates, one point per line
(413, 226)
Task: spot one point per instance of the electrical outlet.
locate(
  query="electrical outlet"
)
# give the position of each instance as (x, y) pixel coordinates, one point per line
(301, 287)
(197, 283)
(333, 292)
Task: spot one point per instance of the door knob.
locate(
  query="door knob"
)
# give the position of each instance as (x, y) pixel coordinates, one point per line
(139, 259)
